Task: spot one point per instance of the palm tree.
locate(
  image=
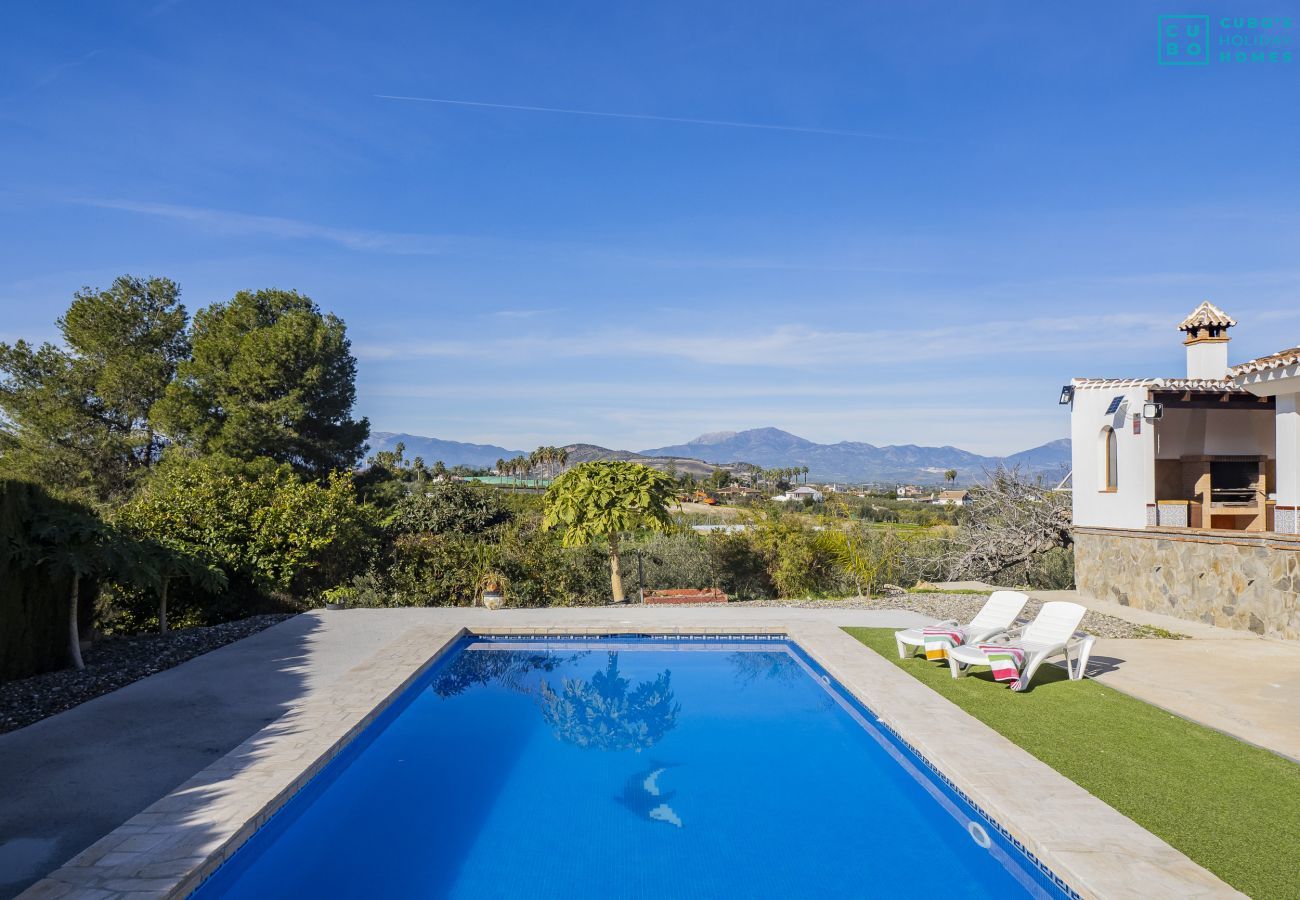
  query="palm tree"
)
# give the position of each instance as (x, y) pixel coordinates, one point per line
(950, 476)
(805, 474)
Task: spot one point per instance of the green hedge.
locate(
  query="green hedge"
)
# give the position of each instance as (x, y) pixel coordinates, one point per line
(33, 601)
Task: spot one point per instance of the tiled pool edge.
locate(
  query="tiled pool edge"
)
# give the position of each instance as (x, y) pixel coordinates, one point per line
(167, 850)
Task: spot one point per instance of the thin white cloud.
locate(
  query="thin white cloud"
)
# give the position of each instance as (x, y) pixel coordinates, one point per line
(521, 313)
(643, 391)
(676, 120)
(55, 73)
(798, 345)
(235, 223)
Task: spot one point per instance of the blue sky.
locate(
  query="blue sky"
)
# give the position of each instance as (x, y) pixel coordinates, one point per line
(973, 202)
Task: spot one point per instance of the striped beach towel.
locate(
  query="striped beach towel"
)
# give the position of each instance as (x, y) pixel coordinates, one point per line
(939, 640)
(1006, 663)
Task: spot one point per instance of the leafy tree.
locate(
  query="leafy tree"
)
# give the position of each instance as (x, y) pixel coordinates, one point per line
(449, 506)
(597, 501)
(256, 520)
(270, 376)
(76, 418)
(950, 475)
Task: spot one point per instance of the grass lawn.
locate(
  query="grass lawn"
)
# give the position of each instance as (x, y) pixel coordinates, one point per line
(1231, 807)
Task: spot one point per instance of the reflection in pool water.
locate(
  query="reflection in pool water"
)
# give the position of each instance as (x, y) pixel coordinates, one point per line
(601, 714)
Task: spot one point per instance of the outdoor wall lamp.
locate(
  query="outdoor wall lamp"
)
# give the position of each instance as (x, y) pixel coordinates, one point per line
(1153, 411)
(1067, 395)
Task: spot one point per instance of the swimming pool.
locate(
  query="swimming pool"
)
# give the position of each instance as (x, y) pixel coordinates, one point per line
(627, 766)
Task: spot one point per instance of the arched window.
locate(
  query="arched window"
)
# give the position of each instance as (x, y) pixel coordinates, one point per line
(1109, 450)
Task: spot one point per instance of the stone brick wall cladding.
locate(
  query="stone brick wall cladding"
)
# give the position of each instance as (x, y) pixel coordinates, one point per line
(1245, 582)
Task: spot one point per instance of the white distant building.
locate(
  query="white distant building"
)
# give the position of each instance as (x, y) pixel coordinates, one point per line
(952, 498)
(800, 494)
(1185, 490)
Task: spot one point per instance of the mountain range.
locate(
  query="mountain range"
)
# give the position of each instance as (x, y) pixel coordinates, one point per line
(851, 461)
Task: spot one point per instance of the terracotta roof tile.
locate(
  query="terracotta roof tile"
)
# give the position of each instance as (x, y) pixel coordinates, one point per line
(1279, 360)
(1165, 384)
(1207, 315)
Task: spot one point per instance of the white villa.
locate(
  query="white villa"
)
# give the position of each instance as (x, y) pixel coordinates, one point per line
(799, 494)
(1186, 490)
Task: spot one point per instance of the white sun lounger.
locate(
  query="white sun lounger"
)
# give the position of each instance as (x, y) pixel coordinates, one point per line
(1052, 633)
(998, 614)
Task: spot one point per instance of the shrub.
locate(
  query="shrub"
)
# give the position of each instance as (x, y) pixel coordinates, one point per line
(674, 560)
(741, 567)
(273, 534)
(448, 506)
(798, 564)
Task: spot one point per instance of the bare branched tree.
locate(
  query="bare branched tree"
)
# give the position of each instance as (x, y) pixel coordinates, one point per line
(1009, 521)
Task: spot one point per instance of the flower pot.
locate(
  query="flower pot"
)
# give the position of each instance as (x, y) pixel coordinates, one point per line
(333, 605)
(494, 599)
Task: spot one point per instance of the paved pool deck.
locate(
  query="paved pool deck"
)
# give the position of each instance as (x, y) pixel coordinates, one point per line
(310, 706)
(1234, 681)
(68, 780)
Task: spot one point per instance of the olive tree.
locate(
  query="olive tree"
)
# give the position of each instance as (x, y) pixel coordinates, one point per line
(1009, 521)
(598, 501)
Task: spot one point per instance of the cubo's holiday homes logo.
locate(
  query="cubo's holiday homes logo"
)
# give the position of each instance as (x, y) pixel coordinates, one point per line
(1197, 40)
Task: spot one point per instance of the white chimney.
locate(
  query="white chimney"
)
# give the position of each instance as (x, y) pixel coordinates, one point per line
(1207, 342)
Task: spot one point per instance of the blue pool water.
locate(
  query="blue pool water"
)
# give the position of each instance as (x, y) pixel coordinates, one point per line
(626, 767)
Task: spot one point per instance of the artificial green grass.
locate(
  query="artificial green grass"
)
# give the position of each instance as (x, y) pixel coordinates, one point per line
(1231, 807)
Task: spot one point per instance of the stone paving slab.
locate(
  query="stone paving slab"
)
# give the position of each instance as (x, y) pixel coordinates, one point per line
(1248, 689)
(1237, 682)
(169, 848)
(166, 850)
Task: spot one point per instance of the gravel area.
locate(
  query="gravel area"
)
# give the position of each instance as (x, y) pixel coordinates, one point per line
(112, 663)
(962, 607)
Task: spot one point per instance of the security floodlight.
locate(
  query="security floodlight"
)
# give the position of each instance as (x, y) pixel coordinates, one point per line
(1067, 395)
(1153, 411)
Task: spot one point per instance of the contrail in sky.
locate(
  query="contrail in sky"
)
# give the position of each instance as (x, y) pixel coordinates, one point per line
(611, 115)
